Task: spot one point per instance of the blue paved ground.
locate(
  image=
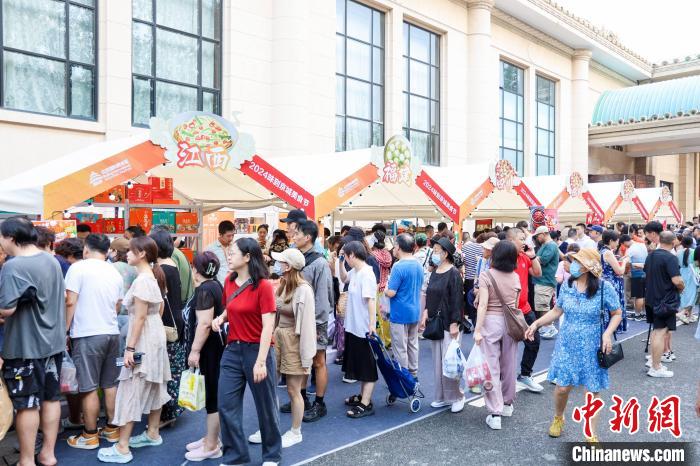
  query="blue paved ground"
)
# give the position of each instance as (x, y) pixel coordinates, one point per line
(332, 432)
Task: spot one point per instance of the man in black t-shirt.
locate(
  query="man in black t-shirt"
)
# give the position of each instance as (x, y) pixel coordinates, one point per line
(663, 285)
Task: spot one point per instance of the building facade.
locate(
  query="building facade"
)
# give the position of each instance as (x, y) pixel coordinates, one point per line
(465, 80)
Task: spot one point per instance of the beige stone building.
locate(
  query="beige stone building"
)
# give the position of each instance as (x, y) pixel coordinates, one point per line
(465, 80)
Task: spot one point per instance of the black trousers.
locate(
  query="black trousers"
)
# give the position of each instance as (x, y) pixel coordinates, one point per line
(531, 348)
(469, 310)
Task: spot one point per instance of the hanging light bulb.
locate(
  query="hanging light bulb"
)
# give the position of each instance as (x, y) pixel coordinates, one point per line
(340, 210)
(112, 197)
(147, 173)
(66, 214)
(284, 205)
(129, 184)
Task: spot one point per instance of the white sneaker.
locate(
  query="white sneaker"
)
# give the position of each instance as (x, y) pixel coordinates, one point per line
(667, 357)
(662, 372)
(270, 463)
(439, 404)
(493, 422)
(458, 405)
(290, 438)
(255, 438)
(693, 318)
(346, 380)
(683, 318)
(672, 355)
(648, 364)
(507, 410)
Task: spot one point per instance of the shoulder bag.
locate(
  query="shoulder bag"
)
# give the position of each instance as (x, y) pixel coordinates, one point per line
(224, 331)
(171, 333)
(607, 360)
(434, 327)
(515, 321)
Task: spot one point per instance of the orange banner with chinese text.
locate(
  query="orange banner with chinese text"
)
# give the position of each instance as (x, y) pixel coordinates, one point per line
(476, 198)
(90, 181)
(344, 190)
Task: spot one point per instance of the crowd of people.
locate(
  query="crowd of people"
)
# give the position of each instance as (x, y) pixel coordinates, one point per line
(132, 314)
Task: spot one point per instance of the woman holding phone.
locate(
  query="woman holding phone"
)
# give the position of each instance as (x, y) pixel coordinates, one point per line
(142, 385)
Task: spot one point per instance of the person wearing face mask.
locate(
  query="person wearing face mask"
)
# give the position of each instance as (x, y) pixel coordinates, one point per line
(444, 294)
(574, 362)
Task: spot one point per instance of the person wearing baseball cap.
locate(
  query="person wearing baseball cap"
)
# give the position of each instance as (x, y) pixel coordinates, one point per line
(295, 335)
(294, 219)
(596, 233)
(546, 284)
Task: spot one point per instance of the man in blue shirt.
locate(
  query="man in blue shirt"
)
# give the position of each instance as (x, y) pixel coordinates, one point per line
(403, 289)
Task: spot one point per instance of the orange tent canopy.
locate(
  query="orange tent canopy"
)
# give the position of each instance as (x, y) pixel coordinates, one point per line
(50, 188)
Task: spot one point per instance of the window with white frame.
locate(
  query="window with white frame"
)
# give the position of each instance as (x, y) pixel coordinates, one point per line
(359, 76)
(176, 58)
(422, 92)
(545, 153)
(48, 57)
(512, 116)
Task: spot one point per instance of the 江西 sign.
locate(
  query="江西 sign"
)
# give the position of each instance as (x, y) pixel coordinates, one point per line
(204, 140)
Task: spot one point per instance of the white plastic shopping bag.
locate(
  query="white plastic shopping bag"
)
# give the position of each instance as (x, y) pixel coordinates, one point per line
(69, 377)
(192, 395)
(453, 364)
(477, 370)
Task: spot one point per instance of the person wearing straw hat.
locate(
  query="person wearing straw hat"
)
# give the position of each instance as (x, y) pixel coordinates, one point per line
(574, 362)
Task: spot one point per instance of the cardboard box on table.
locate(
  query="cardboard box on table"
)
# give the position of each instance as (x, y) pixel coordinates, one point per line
(140, 194)
(142, 217)
(161, 188)
(186, 222)
(112, 226)
(166, 219)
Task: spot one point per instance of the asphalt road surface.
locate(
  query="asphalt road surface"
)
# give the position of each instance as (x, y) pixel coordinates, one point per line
(465, 438)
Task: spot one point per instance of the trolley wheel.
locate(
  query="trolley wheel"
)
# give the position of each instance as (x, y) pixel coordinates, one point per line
(390, 399)
(414, 405)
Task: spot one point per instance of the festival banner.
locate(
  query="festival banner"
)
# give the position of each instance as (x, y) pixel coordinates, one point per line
(476, 198)
(483, 224)
(96, 178)
(593, 204)
(611, 210)
(559, 200)
(640, 207)
(525, 194)
(279, 184)
(345, 189)
(676, 213)
(444, 202)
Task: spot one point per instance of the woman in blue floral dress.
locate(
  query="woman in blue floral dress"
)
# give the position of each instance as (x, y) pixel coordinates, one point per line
(613, 270)
(574, 362)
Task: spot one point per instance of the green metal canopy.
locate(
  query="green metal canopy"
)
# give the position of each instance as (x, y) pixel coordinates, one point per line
(665, 98)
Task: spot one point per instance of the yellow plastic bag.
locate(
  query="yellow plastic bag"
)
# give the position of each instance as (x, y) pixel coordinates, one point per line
(192, 395)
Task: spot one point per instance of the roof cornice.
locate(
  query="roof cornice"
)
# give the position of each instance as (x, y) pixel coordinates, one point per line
(513, 24)
(595, 33)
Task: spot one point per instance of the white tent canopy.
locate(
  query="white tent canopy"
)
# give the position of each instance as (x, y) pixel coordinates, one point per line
(24, 192)
(547, 188)
(607, 193)
(651, 196)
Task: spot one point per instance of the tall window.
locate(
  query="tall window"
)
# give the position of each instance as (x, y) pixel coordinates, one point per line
(48, 57)
(176, 58)
(512, 139)
(421, 122)
(359, 76)
(545, 128)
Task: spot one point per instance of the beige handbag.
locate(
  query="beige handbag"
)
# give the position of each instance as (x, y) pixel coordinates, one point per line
(342, 304)
(171, 335)
(6, 410)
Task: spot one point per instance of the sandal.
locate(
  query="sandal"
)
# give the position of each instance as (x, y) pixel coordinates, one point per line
(361, 411)
(353, 400)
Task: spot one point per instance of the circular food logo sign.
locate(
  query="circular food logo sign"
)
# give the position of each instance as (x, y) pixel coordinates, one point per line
(203, 140)
(503, 176)
(575, 184)
(627, 190)
(397, 161)
(665, 194)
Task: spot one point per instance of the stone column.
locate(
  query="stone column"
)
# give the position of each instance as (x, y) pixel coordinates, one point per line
(580, 114)
(482, 84)
(114, 101)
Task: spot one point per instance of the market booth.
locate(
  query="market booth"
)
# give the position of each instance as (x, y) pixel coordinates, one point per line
(660, 205)
(53, 187)
(568, 195)
(620, 202)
